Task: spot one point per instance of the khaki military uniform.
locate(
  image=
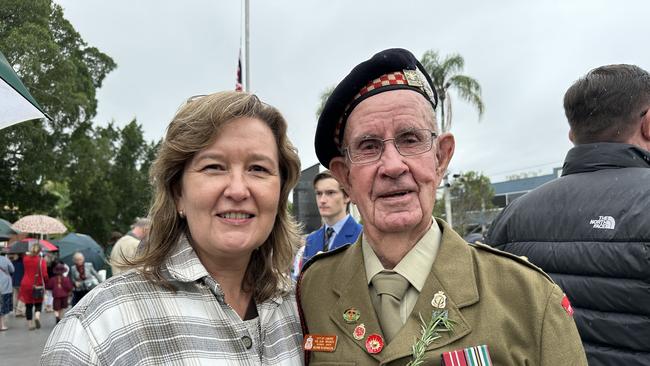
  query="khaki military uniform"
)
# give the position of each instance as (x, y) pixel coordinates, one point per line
(496, 299)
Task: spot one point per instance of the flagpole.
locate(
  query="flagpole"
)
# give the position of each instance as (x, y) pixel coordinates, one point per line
(247, 87)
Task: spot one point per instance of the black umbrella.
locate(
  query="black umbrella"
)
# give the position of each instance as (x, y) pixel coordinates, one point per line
(74, 242)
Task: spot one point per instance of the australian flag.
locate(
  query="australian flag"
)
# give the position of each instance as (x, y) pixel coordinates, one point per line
(238, 83)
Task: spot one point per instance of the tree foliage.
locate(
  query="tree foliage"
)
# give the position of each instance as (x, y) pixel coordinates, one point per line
(324, 95)
(446, 76)
(93, 178)
(471, 198)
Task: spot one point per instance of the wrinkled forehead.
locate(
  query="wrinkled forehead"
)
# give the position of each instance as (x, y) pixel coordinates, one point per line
(389, 113)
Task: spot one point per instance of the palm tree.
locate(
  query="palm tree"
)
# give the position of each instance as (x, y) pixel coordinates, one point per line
(324, 95)
(446, 76)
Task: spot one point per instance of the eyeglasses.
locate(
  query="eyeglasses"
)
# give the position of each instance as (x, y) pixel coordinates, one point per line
(369, 149)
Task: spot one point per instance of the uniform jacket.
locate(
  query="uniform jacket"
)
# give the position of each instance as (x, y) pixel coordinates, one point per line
(496, 299)
(32, 277)
(590, 230)
(349, 234)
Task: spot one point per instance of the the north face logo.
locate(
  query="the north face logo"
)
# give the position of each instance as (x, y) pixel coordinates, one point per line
(603, 222)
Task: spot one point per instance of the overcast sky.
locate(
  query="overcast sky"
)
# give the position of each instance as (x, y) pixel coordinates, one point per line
(524, 54)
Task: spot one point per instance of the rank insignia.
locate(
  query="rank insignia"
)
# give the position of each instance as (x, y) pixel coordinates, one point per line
(351, 315)
(359, 332)
(374, 343)
(477, 355)
(439, 300)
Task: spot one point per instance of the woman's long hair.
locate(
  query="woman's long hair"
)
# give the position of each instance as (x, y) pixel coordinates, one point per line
(195, 126)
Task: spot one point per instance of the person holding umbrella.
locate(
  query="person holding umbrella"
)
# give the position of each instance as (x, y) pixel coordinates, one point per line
(32, 286)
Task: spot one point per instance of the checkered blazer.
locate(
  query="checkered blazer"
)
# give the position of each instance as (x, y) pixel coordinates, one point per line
(128, 320)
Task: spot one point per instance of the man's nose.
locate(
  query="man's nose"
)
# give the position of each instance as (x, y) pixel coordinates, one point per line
(392, 162)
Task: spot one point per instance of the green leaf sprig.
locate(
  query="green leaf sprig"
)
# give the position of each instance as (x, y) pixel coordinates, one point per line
(430, 331)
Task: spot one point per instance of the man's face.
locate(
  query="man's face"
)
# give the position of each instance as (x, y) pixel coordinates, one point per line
(331, 200)
(395, 194)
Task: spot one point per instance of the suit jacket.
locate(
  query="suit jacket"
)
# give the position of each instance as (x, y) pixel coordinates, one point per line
(348, 235)
(496, 299)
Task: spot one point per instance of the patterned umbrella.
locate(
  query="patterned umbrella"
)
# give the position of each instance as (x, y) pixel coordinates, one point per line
(39, 224)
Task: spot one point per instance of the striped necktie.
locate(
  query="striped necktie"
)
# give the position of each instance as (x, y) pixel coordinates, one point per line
(328, 235)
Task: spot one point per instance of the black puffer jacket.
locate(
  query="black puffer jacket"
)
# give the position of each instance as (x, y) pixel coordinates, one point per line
(590, 230)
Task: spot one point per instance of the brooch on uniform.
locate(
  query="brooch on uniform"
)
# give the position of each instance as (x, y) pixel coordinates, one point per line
(351, 315)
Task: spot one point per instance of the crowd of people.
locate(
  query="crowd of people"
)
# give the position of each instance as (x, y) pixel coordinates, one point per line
(207, 277)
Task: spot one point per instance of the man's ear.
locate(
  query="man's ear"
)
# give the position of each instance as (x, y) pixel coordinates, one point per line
(645, 126)
(572, 137)
(445, 150)
(341, 172)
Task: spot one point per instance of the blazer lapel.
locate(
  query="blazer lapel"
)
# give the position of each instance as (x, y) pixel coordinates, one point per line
(453, 274)
(352, 288)
(346, 235)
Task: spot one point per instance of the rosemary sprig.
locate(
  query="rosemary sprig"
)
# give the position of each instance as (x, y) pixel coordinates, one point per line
(430, 331)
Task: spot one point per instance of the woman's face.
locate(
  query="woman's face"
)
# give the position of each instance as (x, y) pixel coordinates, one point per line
(230, 191)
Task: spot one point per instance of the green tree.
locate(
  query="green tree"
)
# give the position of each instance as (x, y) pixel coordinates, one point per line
(93, 178)
(446, 77)
(471, 197)
(62, 73)
(129, 181)
(324, 95)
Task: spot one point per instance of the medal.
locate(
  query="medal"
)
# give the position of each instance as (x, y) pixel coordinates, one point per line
(359, 332)
(351, 315)
(374, 343)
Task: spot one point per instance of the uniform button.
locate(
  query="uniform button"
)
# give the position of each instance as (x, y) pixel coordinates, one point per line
(248, 342)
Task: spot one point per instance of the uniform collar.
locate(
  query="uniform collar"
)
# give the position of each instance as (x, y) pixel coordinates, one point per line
(416, 264)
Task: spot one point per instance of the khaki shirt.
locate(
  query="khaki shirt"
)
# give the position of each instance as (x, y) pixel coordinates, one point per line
(494, 298)
(415, 267)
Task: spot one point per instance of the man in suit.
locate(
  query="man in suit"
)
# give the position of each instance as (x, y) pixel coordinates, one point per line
(339, 227)
(366, 303)
(589, 228)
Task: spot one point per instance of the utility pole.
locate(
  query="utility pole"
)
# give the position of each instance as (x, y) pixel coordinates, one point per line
(247, 85)
(447, 193)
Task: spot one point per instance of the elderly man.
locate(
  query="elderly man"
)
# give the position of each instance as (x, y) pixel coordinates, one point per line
(126, 248)
(366, 304)
(589, 228)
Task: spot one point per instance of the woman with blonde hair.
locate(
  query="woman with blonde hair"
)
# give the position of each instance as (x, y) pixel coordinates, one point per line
(211, 285)
(32, 286)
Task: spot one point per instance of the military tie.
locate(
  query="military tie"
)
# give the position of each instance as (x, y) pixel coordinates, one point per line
(390, 287)
(328, 235)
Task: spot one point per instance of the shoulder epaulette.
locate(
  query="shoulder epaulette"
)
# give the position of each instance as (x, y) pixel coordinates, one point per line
(519, 259)
(321, 255)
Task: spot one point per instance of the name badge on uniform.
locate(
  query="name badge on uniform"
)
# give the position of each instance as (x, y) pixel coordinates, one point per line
(477, 355)
(319, 343)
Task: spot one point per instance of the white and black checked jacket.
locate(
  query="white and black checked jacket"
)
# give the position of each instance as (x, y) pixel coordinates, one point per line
(128, 320)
